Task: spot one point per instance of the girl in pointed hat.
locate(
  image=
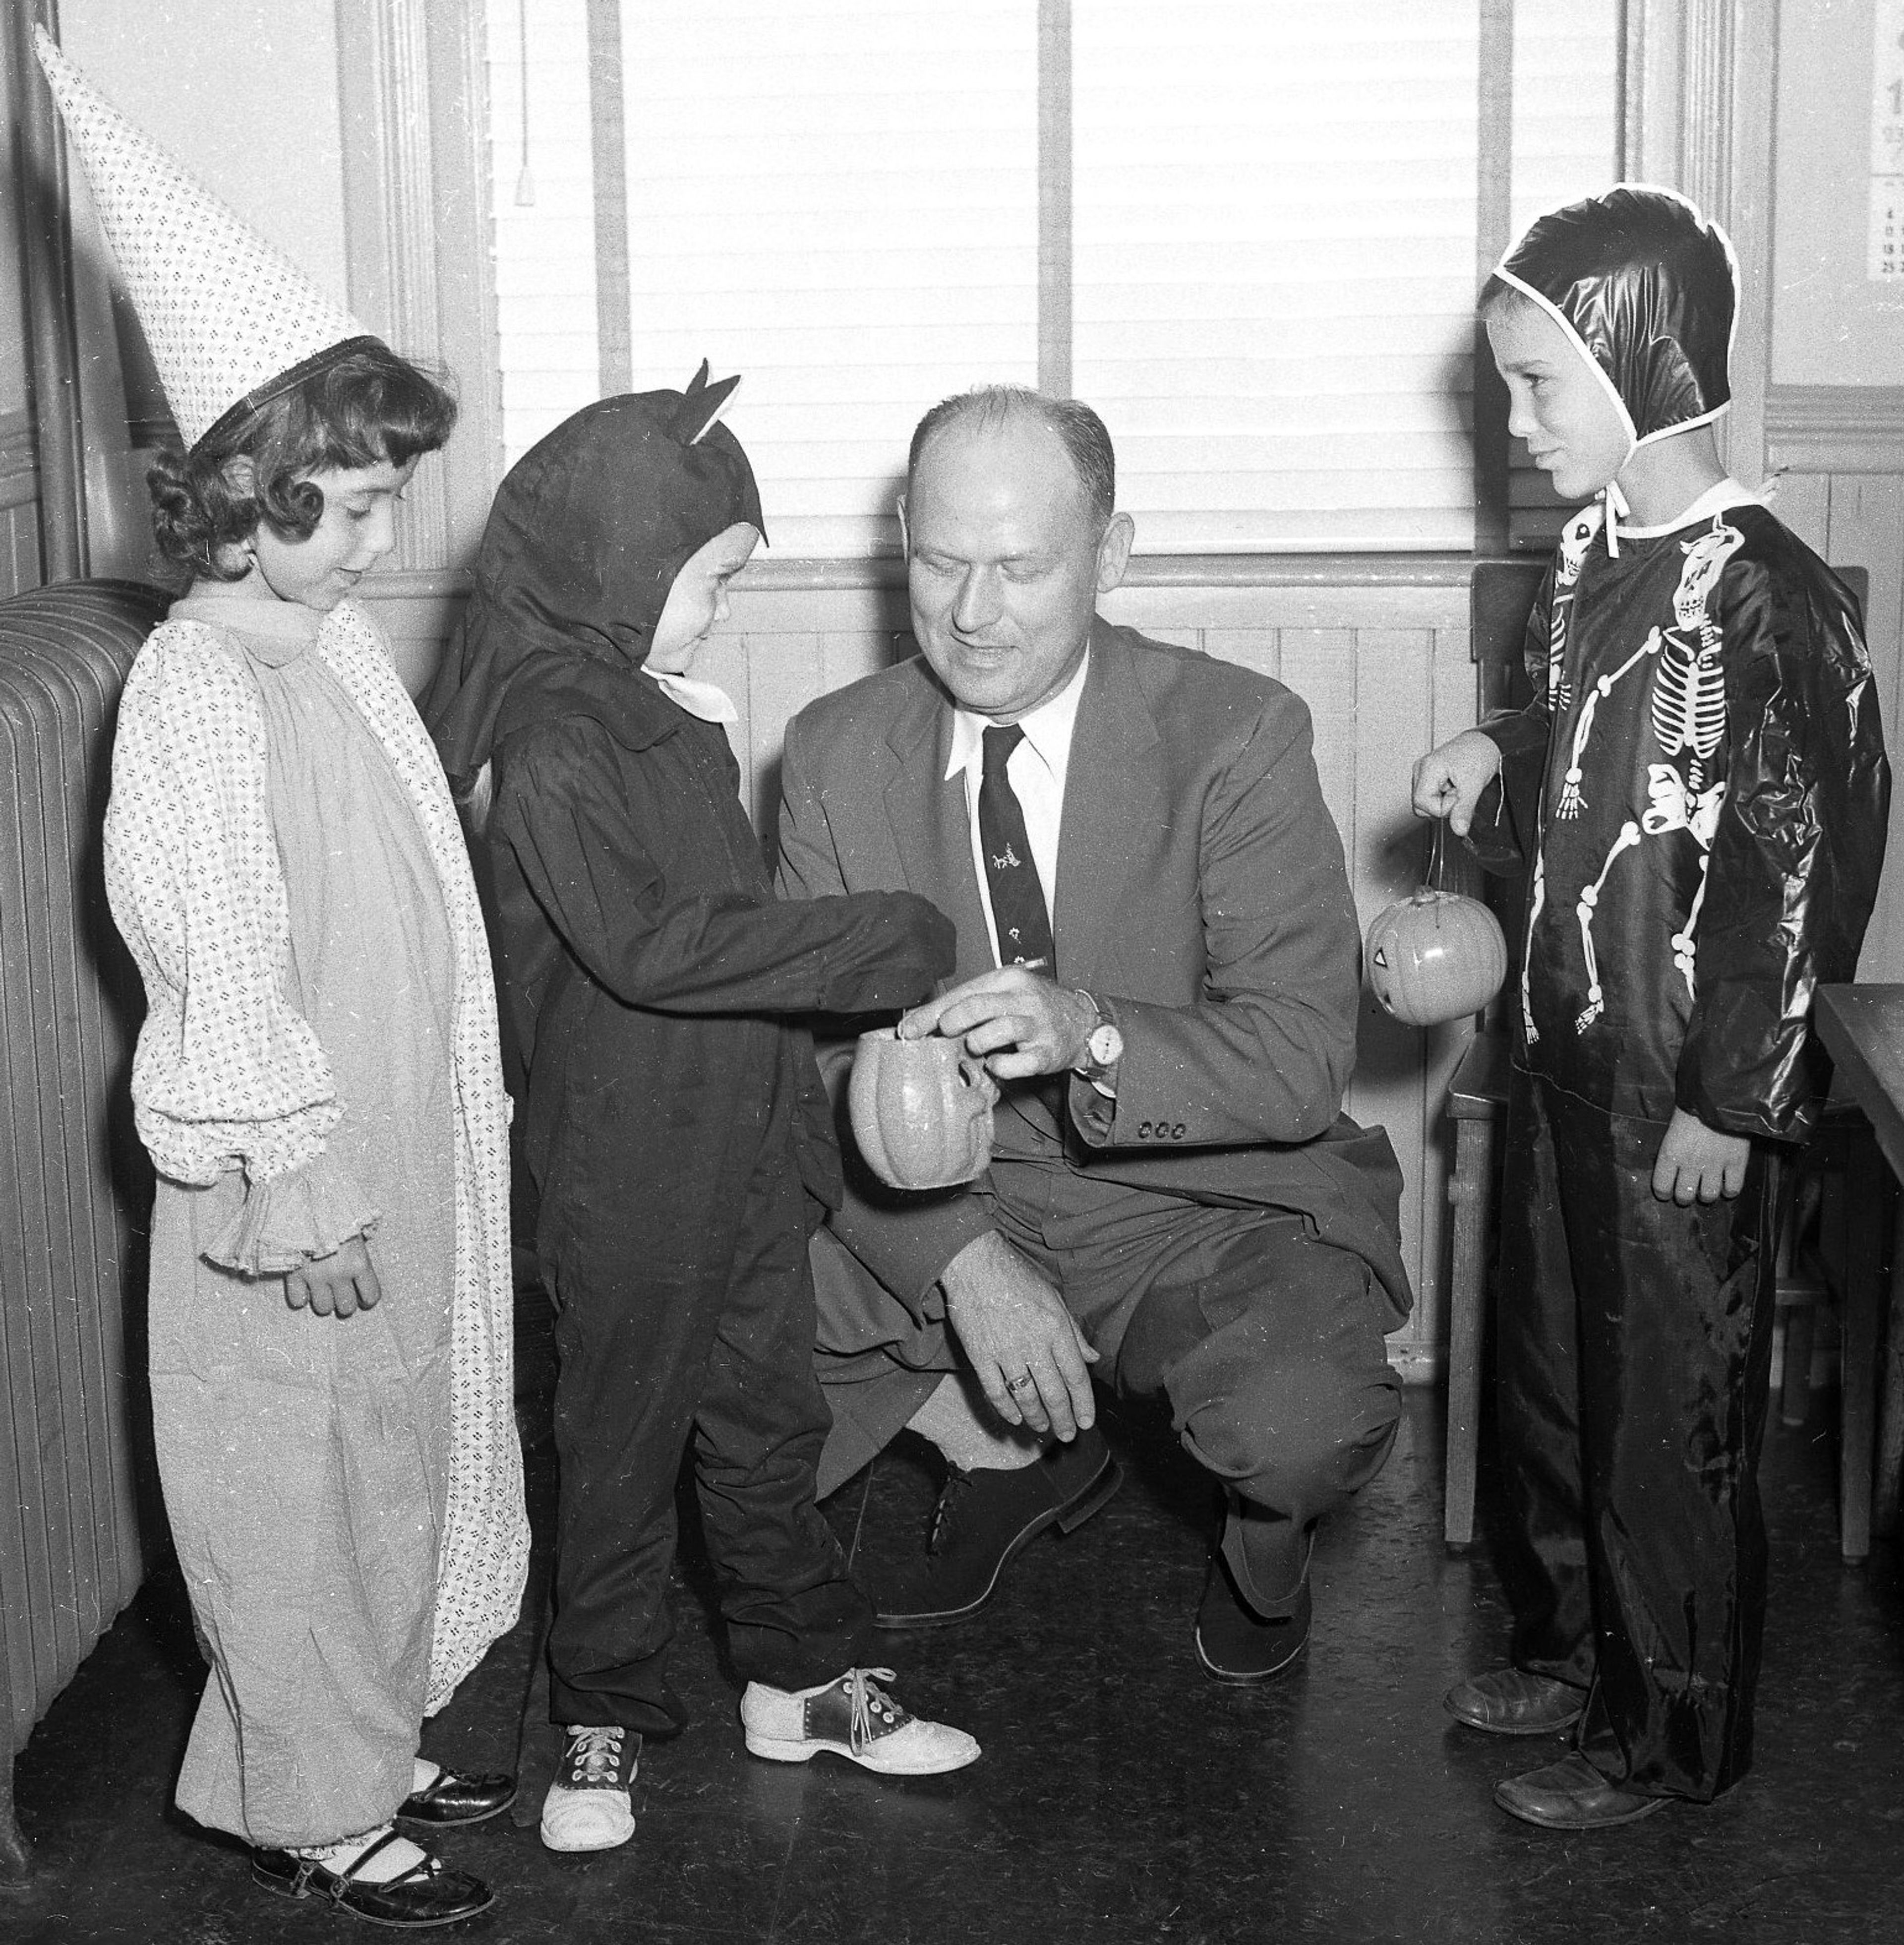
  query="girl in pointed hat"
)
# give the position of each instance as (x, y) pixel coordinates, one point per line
(676, 1126)
(317, 1080)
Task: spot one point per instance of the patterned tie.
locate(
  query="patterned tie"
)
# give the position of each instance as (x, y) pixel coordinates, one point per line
(1018, 899)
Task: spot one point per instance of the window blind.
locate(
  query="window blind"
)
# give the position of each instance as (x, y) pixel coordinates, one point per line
(1273, 216)
(1274, 289)
(840, 201)
(542, 186)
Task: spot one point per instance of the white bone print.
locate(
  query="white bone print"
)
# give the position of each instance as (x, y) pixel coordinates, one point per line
(1688, 717)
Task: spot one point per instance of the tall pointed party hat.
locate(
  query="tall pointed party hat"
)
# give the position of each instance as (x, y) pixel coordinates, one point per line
(231, 320)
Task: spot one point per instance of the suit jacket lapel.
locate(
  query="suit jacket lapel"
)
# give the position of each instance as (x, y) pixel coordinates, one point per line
(1114, 806)
(925, 811)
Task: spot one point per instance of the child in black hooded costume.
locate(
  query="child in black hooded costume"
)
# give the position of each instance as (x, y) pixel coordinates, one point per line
(1698, 790)
(676, 1127)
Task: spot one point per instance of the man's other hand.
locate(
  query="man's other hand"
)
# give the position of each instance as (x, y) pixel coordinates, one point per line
(1018, 1022)
(1029, 1356)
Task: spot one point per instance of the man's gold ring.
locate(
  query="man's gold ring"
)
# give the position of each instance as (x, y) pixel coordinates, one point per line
(1018, 1383)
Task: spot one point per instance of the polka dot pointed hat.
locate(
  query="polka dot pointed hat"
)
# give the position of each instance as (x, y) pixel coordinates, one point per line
(231, 320)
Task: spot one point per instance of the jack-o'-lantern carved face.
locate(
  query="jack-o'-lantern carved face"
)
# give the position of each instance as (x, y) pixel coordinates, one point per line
(1435, 957)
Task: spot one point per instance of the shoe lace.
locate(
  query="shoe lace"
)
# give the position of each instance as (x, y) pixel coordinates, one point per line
(595, 1755)
(869, 1699)
(945, 1515)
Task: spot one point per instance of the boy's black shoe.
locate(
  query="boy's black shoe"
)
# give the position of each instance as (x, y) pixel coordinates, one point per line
(985, 1517)
(429, 1893)
(459, 1799)
(1236, 1644)
(1572, 1794)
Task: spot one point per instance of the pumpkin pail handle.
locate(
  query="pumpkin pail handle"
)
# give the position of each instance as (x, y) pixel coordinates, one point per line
(1436, 880)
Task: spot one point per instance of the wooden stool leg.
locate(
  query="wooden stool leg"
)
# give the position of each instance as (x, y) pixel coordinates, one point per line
(1890, 1417)
(1794, 1388)
(1864, 1255)
(1470, 1194)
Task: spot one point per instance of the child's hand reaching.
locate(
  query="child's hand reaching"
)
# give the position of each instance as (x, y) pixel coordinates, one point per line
(340, 1284)
(1699, 1163)
(1449, 779)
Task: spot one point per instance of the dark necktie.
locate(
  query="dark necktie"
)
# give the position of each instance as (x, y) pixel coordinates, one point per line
(1018, 899)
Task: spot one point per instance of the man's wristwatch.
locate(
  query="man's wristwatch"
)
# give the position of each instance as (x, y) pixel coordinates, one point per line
(1103, 1046)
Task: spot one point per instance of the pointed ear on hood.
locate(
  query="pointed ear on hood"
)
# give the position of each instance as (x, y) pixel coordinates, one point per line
(701, 406)
(586, 534)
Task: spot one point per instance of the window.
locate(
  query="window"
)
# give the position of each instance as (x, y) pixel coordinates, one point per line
(1267, 225)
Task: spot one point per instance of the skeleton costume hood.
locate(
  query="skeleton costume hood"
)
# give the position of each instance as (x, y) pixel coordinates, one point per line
(1647, 289)
(586, 537)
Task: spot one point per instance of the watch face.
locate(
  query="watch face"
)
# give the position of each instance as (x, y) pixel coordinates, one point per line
(1106, 1045)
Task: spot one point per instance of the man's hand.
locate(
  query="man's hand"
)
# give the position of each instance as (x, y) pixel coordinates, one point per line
(337, 1285)
(1017, 1021)
(1699, 1163)
(1449, 780)
(1029, 1356)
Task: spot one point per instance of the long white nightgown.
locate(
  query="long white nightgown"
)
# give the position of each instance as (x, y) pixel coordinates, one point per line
(345, 1494)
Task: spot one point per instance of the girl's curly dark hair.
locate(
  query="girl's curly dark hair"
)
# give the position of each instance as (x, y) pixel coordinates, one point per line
(369, 407)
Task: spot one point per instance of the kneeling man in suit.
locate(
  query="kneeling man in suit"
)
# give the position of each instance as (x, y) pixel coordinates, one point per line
(1157, 958)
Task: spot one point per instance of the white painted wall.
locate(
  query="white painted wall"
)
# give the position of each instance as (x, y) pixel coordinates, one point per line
(245, 94)
(1830, 326)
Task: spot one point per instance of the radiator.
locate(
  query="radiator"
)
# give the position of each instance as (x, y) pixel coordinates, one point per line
(74, 1190)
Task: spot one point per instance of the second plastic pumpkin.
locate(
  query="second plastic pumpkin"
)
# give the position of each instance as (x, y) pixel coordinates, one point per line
(1436, 957)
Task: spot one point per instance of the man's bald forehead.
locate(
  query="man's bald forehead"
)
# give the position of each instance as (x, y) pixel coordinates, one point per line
(1001, 409)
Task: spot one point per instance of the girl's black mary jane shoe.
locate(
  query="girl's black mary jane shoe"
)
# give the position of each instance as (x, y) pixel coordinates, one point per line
(429, 1893)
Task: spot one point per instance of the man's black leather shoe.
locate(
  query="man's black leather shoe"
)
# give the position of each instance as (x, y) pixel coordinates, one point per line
(1511, 1702)
(427, 1893)
(1236, 1644)
(1572, 1794)
(985, 1517)
(459, 1799)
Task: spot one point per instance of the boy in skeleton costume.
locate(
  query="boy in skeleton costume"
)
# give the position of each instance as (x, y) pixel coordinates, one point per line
(1699, 788)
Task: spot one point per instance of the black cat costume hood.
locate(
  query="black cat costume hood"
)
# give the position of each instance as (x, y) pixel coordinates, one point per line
(587, 534)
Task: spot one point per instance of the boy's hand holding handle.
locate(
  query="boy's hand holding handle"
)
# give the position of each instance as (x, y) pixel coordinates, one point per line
(1449, 780)
(340, 1284)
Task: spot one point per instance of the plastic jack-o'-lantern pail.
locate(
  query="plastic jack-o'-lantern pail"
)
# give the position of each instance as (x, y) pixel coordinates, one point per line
(921, 1110)
(1436, 956)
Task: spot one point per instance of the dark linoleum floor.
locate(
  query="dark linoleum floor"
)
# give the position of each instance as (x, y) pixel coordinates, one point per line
(1123, 1797)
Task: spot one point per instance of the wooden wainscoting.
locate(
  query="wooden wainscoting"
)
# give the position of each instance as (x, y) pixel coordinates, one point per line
(1378, 648)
